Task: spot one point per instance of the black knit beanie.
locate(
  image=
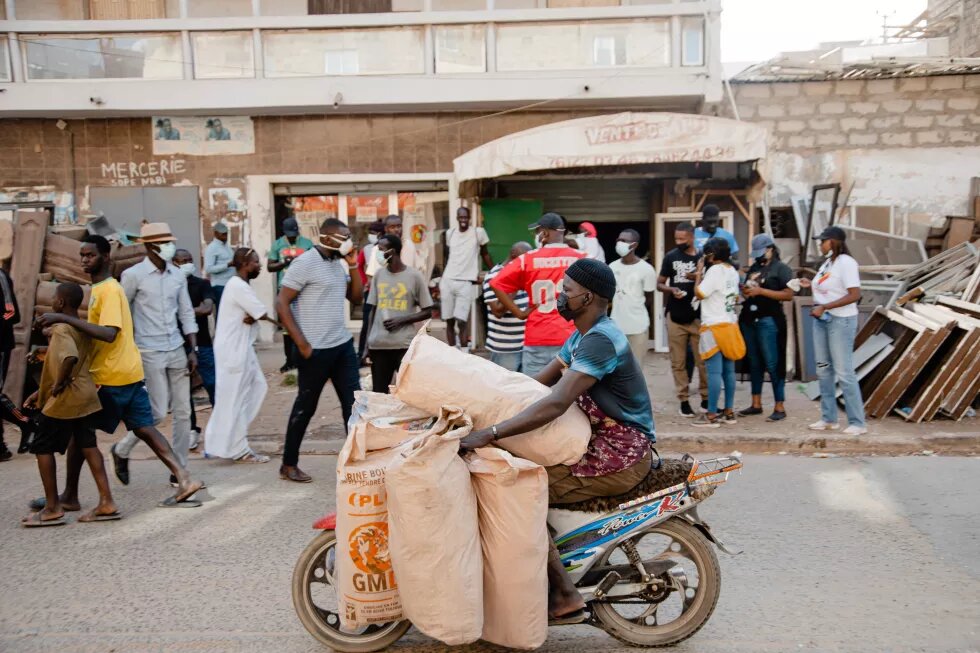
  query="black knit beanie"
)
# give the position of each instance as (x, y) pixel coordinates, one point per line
(593, 275)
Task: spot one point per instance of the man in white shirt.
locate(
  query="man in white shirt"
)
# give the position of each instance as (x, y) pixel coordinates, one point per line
(636, 281)
(459, 284)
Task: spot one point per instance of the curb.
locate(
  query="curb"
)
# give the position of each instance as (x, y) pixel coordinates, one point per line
(939, 443)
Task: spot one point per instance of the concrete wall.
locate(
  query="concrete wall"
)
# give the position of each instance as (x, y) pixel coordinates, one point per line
(964, 30)
(913, 143)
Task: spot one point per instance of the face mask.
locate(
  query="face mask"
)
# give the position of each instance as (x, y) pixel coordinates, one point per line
(166, 251)
(829, 253)
(623, 248)
(372, 239)
(254, 274)
(188, 269)
(344, 248)
(563, 309)
(382, 257)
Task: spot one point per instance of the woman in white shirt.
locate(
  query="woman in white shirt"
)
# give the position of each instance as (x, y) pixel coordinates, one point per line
(836, 292)
(721, 342)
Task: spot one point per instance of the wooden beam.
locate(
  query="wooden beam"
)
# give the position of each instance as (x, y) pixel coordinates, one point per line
(31, 227)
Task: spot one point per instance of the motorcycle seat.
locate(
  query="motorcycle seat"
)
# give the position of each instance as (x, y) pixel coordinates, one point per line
(671, 472)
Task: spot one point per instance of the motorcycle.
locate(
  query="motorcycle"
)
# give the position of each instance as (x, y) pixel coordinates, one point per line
(646, 569)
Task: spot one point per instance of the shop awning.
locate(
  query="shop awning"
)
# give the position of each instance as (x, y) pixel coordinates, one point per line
(615, 140)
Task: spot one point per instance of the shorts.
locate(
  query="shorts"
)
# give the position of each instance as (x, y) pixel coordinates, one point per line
(457, 298)
(53, 435)
(129, 404)
(564, 488)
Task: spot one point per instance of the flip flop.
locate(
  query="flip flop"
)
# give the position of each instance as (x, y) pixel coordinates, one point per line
(252, 458)
(35, 521)
(92, 516)
(570, 619)
(196, 486)
(172, 502)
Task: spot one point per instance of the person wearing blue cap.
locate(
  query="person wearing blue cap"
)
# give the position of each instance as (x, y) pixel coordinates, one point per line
(763, 324)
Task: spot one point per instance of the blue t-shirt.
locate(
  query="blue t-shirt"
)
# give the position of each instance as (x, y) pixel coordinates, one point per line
(701, 237)
(621, 391)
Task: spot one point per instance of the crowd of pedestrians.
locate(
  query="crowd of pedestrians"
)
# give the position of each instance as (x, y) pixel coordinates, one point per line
(146, 335)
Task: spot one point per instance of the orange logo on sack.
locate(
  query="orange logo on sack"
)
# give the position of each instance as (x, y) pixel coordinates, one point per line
(368, 545)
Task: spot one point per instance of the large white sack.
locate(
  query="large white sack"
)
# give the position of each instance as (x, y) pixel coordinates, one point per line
(383, 421)
(367, 592)
(512, 495)
(435, 539)
(433, 375)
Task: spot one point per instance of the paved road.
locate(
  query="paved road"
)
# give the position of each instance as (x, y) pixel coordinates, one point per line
(874, 554)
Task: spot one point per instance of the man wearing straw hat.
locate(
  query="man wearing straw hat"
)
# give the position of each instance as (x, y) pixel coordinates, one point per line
(158, 297)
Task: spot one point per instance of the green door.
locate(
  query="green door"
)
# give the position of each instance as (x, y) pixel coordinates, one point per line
(506, 223)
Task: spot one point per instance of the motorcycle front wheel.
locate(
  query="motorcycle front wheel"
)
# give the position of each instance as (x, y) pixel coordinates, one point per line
(315, 601)
(687, 596)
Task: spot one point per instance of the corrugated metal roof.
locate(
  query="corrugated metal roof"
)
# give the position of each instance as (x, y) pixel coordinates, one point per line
(877, 68)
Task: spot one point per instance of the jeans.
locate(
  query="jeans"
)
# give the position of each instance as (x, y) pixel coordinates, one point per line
(509, 360)
(720, 370)
(536, 358)
(169, 385)
(833, 347)
(362, 339)
(205, 367)
(384, 364)
(337, 364)
(762, 350)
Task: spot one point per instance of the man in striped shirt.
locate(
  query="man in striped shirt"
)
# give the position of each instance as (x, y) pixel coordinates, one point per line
(505, 331)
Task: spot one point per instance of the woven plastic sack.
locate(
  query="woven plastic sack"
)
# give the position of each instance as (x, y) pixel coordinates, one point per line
(433, 374)
(512, 495)
(435, 539)
(382, 421)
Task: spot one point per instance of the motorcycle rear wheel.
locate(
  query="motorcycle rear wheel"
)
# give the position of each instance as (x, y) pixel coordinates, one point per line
(637, 631)
(315, 565)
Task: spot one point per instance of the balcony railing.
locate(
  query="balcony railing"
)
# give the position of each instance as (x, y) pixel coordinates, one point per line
(424, 38)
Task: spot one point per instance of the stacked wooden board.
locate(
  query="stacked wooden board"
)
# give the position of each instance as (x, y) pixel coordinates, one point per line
(932, 367)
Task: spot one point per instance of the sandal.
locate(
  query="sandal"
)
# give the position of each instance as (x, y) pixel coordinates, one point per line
(577, 617)
(92, 516)
(751, 410)
(252, 458)
(34, 520)
(777, 416)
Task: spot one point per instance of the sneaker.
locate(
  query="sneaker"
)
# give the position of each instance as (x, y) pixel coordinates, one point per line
(5, 453)
(173, 481)
(823, 426)
(704, 404)
(728, 418)
(855, 430)
(195, 439)
(686, 410)
(704, 421)
(751, 410)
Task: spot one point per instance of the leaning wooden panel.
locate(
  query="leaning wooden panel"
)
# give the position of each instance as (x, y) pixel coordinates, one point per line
(874, 324)
(941, 374)
(31, 227)
(964, 391)
(967, 355)
(908, 367)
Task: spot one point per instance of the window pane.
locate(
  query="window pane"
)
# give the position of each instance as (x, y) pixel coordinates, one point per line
(49, 9)
(692, 41)
(389, 51)
(569, 46)
(4, 62)
(122, 56)
(218, 8)
(458, 5)
(284, 7)
(461, 49)
(223, 54)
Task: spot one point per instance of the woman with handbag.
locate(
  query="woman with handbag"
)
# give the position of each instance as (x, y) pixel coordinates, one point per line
(721, 342)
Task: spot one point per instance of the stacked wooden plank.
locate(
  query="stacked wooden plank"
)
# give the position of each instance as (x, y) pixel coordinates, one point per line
(921, 361)
(948, 273)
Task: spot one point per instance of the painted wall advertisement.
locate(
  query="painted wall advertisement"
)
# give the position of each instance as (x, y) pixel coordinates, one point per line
(203, 136)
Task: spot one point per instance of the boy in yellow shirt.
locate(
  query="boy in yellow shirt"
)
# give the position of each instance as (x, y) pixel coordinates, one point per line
(68, 400)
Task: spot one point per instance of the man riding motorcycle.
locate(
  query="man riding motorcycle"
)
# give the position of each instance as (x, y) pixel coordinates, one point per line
(597, 370)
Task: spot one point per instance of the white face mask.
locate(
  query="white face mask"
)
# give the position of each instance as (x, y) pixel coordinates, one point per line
(167, 251)
(382, 257)
(344, 248)
(372, 238)
(188, 269)
(623, 248)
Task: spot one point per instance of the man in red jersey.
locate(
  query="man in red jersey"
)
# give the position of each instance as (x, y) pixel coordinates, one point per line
(539, 273)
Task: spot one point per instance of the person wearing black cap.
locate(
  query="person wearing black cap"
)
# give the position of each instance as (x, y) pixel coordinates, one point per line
(283, 251)
(710, 227)
(539, 273)
(595, 369)
(836, 292)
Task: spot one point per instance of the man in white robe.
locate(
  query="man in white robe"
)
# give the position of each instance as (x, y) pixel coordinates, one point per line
(240, 384)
